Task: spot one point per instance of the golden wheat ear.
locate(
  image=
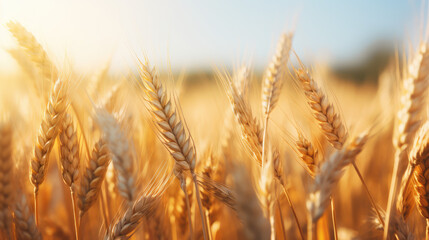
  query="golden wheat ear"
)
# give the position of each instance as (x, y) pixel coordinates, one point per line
(49, 129)
(122, 156)
(6, 177)
(329, 175)
(251, 131)
(413, 100)
(171, 128)
(323, 110)
(125, 226)
(93, 176)
(275, 74)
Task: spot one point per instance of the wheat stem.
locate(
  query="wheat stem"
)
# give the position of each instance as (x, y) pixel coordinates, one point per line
(36, 205)
(188, 206)
(293, 211)
(334, 219)
(197, 191)
(75, 219)
(281, 219)
(377, 211)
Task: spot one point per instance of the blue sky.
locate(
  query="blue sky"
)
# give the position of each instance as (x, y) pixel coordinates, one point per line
(191, 33)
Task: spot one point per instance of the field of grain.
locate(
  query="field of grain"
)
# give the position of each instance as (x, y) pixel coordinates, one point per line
(294, 152)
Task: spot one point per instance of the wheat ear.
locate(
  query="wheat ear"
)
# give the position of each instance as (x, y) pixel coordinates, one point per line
(127, 224)
(25, 226)
(323, 110)
(273, 81)
(308, 154)
(252, 133)
(33, 49)
(6, 176)
(121, 154)
(330, 174)
(69, 159)
(48, 132)
(93, 176)
(172, 132)
(413, 100)
(69, 154)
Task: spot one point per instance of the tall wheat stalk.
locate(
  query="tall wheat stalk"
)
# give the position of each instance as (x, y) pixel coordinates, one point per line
(48, 132)
(413, 98)
(70, 159)
(328, 119)
(329, 175)
(172, 130)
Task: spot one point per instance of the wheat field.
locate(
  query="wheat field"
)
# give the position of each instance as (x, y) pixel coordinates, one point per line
(293, 153)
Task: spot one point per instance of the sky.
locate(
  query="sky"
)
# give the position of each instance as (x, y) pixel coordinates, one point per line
(191, 34)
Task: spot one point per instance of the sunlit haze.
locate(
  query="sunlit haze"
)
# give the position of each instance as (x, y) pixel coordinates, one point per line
(202, 34)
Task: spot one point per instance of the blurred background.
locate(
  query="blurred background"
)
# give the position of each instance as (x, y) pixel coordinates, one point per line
(354, 38)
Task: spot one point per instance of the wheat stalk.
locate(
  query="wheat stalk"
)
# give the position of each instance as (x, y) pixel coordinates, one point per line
(69, 159)
(48, 132)
(93, 176)
(172, 132)
(417, 156)
(6, 176)
(267, 189)
(121, 154)
(412, 105)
